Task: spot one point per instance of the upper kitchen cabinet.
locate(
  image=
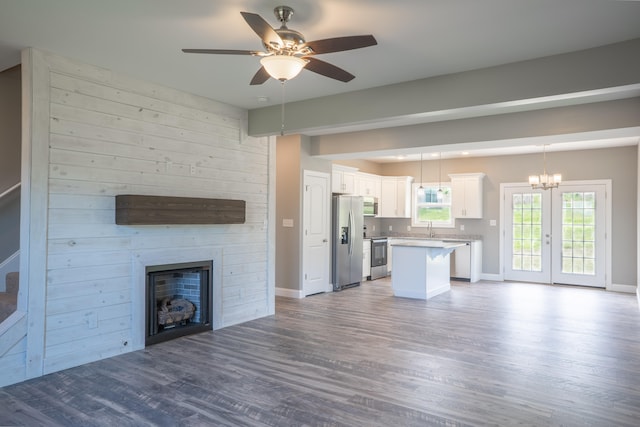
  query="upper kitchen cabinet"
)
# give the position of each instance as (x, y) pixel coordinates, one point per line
(466, 189)
(343, 179)
(367, 185)
(395, 197)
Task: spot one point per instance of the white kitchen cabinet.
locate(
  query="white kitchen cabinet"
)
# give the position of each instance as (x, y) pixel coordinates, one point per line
(343, 179)
(366, 258)
(367, 185)
(467, 192)
(395, 197)
(466, 262)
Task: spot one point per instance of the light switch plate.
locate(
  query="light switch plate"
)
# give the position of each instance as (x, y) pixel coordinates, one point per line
(492, 222)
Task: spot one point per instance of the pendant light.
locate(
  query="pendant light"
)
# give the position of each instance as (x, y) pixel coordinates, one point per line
(440, 193)
(545, 181)
(421, 188)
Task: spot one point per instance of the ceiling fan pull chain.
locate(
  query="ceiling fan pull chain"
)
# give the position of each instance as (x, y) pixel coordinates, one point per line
(282, 110)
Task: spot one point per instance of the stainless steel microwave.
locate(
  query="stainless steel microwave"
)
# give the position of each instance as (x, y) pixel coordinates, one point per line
(370, 206)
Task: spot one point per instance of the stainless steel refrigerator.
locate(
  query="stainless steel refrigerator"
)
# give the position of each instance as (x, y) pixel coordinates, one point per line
(347, 228)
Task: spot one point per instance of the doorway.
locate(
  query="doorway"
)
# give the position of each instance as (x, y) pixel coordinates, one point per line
(558, 235)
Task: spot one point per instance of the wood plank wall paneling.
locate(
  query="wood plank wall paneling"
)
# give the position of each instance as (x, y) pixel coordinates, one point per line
(109, 134)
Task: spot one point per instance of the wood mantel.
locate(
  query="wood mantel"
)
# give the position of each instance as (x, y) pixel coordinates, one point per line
(163, 210)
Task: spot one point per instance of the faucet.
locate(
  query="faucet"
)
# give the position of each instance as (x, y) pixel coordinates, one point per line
(430, 229)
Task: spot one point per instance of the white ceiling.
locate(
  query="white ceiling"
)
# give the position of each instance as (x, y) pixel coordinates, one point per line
(416, 38)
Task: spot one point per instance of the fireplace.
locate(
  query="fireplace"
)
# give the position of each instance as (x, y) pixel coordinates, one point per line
(178, 300)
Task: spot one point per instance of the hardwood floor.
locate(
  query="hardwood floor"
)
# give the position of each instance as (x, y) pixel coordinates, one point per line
(483, 354)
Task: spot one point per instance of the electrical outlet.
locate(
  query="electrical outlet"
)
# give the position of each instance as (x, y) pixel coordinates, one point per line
(462, 227)
(408, 228)
(193, 169)
(373, 228)
(391, 228)
(493, 222)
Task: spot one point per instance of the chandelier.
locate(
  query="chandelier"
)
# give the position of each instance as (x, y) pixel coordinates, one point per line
(545, 181)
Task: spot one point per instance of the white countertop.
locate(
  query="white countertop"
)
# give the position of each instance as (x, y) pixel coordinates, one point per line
(437, 239)
(425, 243)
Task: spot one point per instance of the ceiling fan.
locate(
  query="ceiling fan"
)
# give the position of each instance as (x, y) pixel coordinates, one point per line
(287, 53)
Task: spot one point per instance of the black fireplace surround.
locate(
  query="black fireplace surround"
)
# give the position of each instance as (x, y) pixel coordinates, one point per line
(178, 300)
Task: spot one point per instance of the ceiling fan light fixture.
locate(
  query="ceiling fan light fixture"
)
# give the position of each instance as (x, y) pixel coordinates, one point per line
(283, 67)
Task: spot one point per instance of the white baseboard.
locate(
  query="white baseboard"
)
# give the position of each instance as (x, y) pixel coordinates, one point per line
(9, 265)
(627, 289)
(492, 277)
(289, 293)
(638, 295)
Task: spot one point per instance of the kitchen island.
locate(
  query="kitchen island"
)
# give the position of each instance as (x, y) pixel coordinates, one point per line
(421, 268)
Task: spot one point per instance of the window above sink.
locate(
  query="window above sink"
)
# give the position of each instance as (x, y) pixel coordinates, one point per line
(427, 209)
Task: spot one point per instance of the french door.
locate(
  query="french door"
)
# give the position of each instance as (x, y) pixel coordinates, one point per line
(556, 236)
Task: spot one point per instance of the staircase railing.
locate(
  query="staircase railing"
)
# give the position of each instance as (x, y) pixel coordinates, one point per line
(12, 262)
(9, 190)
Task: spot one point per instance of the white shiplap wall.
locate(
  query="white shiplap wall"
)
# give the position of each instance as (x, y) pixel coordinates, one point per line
(108, 134)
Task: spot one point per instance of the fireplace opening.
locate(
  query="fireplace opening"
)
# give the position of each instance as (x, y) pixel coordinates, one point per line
(178, 300)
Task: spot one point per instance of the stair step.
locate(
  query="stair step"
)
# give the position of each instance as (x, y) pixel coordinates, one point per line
(12, 280)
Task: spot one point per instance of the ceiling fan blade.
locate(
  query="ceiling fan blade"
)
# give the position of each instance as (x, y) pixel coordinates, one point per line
(263, 29)
(260, 77)
(338, 44)
(225, 51)
(328, 70)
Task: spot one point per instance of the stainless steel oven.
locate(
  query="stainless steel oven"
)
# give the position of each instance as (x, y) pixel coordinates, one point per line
(378, 257)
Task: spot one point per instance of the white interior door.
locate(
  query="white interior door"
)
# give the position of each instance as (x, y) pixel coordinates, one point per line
(316, 217)
(556, 236)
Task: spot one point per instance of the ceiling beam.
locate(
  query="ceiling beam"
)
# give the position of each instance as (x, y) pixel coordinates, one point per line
(593, 75)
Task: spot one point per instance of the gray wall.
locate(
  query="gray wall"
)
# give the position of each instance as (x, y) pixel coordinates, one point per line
(288, 205)
(10, 117)
(560, 124)
(292, 159)
(617, 164)
(10, 146)
(584, 76)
